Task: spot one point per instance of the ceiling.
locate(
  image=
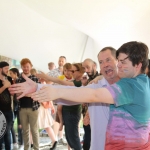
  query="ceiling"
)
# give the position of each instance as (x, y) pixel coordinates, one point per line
(43, 30)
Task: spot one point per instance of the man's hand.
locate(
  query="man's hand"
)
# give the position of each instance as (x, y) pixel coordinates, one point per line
(25, 88)
(96, 79)
(6, 83)
(43, 76)
(45, 94)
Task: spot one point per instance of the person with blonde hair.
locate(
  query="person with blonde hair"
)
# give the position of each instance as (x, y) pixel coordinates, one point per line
(33, 71)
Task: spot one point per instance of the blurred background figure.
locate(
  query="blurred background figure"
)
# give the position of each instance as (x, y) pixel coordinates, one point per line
(14, 74)
(147, 71)
(33, 71)
(51, 66)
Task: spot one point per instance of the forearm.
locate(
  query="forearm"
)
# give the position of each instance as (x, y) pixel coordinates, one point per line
(52, 79)
(66, 103)
(59, 81)
(85, 95)
(39, 86)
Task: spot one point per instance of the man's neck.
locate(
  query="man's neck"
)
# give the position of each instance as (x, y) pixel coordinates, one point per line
(28, 74)
(91, 77)
(114, 80)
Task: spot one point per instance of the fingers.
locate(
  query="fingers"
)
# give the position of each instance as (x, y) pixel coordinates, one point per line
(14, 85)
(20, 96)
(14, 90)
(40, 96)
(25, 77)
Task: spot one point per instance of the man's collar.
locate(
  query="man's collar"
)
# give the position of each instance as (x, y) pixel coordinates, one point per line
(104, 82)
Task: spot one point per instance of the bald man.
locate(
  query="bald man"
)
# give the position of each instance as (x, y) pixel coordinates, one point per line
(90, 68)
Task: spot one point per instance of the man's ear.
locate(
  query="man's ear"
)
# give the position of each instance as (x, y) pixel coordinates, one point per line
(139, 66)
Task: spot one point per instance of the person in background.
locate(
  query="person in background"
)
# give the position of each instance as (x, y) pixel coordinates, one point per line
(14, 74)
(33, 71)
(5, 103)
(46, 121)
(51, 66)
(90, 68)
(56, 73)
(147, 71)
(71, 114)
(67, 76)
(28, 109)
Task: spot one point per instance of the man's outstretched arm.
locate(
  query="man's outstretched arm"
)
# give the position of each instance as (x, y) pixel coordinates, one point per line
(81, 95)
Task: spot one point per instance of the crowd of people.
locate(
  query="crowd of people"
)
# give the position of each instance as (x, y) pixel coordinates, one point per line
(114, 102)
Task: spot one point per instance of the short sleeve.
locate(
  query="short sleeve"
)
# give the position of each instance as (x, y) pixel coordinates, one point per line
(122, 92)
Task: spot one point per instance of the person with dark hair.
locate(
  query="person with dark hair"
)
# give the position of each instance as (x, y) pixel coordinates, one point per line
(5, 103)
(14, 74)
(147, 71)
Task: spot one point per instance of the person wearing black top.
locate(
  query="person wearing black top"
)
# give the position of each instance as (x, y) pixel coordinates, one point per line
(5, 103)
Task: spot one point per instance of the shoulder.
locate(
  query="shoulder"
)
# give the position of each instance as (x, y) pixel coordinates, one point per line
(138, 80)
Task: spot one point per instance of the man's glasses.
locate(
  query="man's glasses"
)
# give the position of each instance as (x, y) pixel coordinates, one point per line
(73, 71)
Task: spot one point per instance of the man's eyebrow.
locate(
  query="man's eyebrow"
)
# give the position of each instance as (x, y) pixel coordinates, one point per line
(124, 58)
(106, 58)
